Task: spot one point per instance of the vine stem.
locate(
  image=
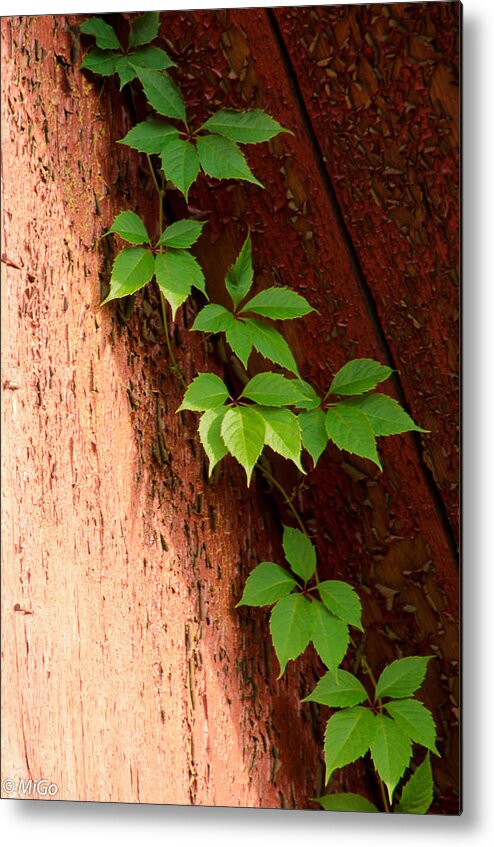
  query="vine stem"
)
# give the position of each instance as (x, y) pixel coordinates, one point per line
(148, 157)
(368, 670)
(366, 667)
(153, 175)
(288, 500)
(289, 503)
(161, 196)
(175, 366)
(383, 795)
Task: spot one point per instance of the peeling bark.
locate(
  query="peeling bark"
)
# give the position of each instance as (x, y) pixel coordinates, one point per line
(128, 674)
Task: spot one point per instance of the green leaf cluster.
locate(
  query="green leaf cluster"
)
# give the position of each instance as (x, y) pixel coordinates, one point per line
(416, 797)
(244, 332)
(353, 424)
(387, 724)
(176, 270)
(387, 729)
(258, 418)
(212, 148)
(109, 57)
(283, 413)
(244, 430)
(298, 617)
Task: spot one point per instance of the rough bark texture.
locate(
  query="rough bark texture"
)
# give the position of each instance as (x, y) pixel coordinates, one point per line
(128, 674)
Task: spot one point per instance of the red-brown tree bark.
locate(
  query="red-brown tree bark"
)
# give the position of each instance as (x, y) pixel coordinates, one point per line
(127, 671)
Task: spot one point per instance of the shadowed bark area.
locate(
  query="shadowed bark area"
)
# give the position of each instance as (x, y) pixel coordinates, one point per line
(122, 565)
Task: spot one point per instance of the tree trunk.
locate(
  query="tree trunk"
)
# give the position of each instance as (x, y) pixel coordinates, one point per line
(128, 673)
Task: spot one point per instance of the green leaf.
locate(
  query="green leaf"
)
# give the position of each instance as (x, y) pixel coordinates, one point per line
(180, 163)
(174, 286)
(391, 751)
(290, 626)
(338, 690)
(244, 127)
(278, 304)
(105, 35)
(222, 159)
(144, 28)
(213, 318)
(243, 432)
(149, 57)
(206, 391)
(132, 269)
(149, 136)
(239, 339)
(176, 272)
(385, 415)
(129, 226)
(358, 376)
(183, 262)
(402, 677)
(270, 389)
(314, 435)
(299, 551)
(309, 399)
(162, 93)
(418, 792)
(241, 274)
(181, 234)
(341, 599)
(346, 803)
(266, 584)
(153, 58)
(126, 72)
(282, 433)
(330, 636)
(350, 430)
(271, 344)
(100, 62)
(348, 736)
(210, 435)
(415, 720)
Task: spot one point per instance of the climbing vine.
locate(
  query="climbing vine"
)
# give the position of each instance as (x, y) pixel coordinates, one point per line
(274, 409)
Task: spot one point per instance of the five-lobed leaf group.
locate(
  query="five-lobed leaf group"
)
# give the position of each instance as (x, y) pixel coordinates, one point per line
(212, 148)
(109, 57)
(259, 417)
(362, 723)
(176, 270)
(354, 423)
(389, 733)
(242, 331)
(247, 428)
(298, 617)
